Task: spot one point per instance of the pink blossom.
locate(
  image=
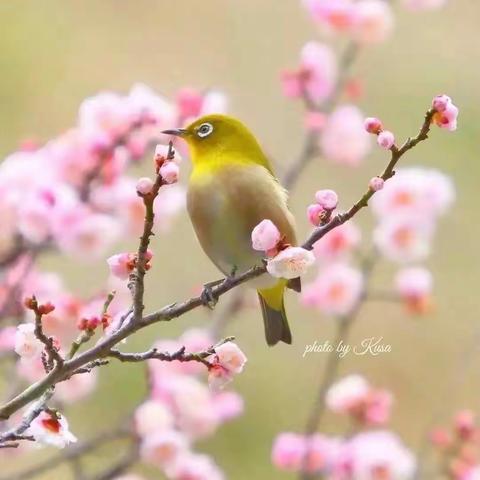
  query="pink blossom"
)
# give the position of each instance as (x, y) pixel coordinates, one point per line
(373, 21)
(338, 243)
(288, 452)
(344, 139)
(265, 236)
(373, 125)
(190, 466)
(51, 429)
(446, 114)
(415, 284)
(170, 172)
(376, 183)
(228, 405)
(214, 101)
(441, 102)
(230, 357)
(319, 64)
(335, 291)
(7, 338)
(162, 448)
(424, 4)
(121, 264)
(321, 453)
(404, 239)
(189, 102)
(328, 199)
(144, 185)
(346, 393)
(195, 340)
(334, 15)
(85, 234)
(152, 417)
(76, 388)
(219, 376)
(376, 408)
(290, 263)
(316, 75)
(386, 139)
(27, 345)
(415, 191)
(372, 452)
(465, 424)
(314, 214)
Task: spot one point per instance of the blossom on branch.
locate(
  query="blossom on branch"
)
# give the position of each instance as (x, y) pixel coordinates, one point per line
(50, 428)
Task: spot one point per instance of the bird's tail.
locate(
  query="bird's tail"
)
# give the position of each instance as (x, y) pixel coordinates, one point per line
(274, 316)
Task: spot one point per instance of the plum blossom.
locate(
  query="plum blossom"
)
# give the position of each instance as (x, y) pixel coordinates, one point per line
(354, 396)
(344, 139)
(415, 284)
(373, 21)
(122, 264)
(228, 404)
(347, 392)
(446, 113)
(415, 191)
(191, 466)
(170, 172)
(290, 263)
(51, 429)
(228, 360)
(7, 339)
(144, 185)
(386, 139)
(288, 451)
(152, 416)
(27, 345)
(404, 239)
(327, 199)
(316, 75)
(375, 453)
(163, 447)
(265, 236)
(315, 213)
(335, 291)
(338, 243)
(373, 125)
(334, 15)
(376, 183)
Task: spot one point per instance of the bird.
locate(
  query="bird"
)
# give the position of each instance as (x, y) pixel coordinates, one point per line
(232, 188)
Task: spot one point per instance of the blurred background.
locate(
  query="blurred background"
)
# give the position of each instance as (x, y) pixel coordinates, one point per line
(54, 53)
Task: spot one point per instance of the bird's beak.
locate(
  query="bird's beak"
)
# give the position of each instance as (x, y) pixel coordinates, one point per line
(178, 132)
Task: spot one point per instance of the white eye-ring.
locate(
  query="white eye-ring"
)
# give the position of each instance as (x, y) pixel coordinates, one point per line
(204, 130)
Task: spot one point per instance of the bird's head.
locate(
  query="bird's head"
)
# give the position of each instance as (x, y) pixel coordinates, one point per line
(216, 134)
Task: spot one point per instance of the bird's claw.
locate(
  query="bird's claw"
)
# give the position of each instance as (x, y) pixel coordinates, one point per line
(208, 297)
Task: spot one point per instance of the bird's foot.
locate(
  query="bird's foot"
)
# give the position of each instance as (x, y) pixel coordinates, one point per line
(208, 297)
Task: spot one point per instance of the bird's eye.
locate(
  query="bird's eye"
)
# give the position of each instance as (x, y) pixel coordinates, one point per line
(204, 130)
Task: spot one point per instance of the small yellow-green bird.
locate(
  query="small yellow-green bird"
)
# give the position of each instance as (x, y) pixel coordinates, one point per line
(232, 188)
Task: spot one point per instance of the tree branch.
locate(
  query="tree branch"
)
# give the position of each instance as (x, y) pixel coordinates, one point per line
(169, 312)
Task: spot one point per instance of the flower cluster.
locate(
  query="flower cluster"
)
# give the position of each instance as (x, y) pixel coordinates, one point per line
(459, 446)
(368, 455)
(284, 260)
(181, 409)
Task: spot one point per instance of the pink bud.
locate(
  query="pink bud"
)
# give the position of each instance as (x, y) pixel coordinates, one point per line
(376, 184)
(314, 212)
(328, 199)
(386, 139)
(373, 125)
(464, 422)
(170, 172)
(441, 102)
(144, 185)
(265, 236)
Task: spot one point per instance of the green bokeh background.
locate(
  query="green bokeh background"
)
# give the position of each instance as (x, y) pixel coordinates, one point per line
(55, 53)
